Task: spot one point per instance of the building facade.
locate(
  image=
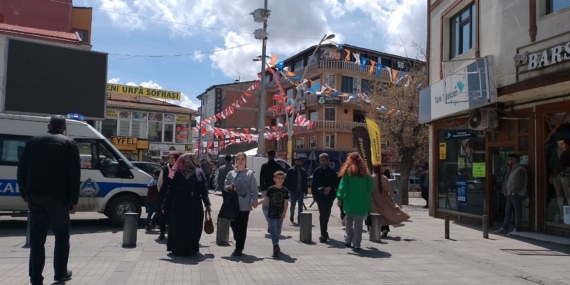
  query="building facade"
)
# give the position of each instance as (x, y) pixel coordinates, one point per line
(499, 84)
(147, 129)
(332, 118)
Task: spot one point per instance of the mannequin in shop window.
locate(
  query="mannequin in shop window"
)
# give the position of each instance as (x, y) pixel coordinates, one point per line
(560, 175)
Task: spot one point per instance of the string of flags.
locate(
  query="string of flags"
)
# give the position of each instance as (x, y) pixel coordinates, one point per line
(231, 108)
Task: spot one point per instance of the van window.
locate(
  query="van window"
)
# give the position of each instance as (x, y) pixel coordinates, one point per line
(11, 148)
(97, 155)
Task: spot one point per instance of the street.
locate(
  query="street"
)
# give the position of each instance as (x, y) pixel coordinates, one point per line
(414, 253)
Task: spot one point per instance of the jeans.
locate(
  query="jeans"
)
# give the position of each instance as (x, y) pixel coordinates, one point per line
(239, 228)
(265, 206)
(46, 212)
(325, 204)
(275, 225)
(296, 200)
(353, 230)
(151, 208)
(514, 204)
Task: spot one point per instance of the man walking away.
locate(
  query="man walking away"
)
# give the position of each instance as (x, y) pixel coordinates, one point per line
(266, 174)
(163, 183)
(424, 184)
(49, 177)
(206, 168)
(514, 188)
(222, 173)
(325, 184)
(296, 183)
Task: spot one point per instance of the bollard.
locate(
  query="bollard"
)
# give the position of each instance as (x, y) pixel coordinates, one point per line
(28, 227)
(446, 227)
(375, 232)
(130, 226)
(485, 226)
(306, 227)
(223, 233)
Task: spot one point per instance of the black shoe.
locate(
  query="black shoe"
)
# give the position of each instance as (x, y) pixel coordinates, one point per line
(161, 237)
(323, 239)
(357, 248)
(292, 220)
(276, 251)
(237, 253)
(348, 244)
(426, 206)
(67, 277)
(384, 233)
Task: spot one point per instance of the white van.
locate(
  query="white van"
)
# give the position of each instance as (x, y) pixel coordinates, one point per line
(109, 184)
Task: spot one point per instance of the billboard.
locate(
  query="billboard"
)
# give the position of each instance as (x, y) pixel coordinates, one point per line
(44, 79)
(143, 91)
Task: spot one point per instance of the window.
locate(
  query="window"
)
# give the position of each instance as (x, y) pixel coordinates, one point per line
(463, 31)
(182, 131)
(124, 128)
(316, 81)
(83, 34)
(298, 65)
(109, 128)
(386, 62)
(289, 94)
(11, 148)
(168, 133)
(313, 142)
(99, 154)
(329, 141)
(347, 84)
(139, 129)
(331, 81)
(330, 114)
(314, 115)
(155, 131)
(556, 5)
(299, 143)
(367, 86)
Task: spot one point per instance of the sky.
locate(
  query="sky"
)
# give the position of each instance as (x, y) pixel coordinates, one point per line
(190, 45)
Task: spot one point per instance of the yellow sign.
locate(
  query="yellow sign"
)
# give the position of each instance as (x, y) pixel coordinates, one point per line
(375, 141)
(183, 119)
(189, 147)
(461, 162)
(442, 151)
(478, 169)
(142, 91)
(112, 113)
(124, 143)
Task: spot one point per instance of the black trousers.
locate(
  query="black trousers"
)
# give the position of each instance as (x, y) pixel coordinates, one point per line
(47, 212)
(239, 228)
(342, 214)
(164, 218)
(425, 194)
(325, 204)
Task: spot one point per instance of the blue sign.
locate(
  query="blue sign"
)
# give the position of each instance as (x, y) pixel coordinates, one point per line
(461, 192)
(455, 135)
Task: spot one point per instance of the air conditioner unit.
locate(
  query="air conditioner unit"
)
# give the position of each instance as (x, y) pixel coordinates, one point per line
(483, 120)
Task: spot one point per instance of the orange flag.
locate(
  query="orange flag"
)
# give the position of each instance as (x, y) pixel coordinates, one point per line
(273, 60)
(372, 65)
(394, 76)
(347, 55)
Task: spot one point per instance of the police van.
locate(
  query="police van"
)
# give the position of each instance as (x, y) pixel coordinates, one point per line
(110, 184)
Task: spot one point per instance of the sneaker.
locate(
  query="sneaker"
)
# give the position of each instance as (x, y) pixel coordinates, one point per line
(67, 277)
(161, 237)
(384, 233)
(276, 251)
(500, 231)
(237, 253)
(348, 244)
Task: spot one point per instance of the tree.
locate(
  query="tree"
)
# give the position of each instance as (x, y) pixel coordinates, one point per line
(395, 107)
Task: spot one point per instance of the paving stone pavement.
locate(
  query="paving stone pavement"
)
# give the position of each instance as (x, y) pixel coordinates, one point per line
(415, 253)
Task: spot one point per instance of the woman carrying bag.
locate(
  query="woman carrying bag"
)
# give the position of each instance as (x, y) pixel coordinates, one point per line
(383, 203)
(187, 192)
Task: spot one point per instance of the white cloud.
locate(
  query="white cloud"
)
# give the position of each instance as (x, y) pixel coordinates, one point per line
(198, 56)
(114, 80)
(186, 102)
(130, 83)
(121, 10)
(151, 84)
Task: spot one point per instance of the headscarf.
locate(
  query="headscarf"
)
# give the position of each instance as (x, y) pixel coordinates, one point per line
(185, 164)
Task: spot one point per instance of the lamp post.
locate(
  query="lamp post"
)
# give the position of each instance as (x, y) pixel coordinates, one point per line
(261, 16)
(300, 88)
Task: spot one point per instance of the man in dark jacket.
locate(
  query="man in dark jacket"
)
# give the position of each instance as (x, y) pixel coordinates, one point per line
(222, 173)
(325, 184)
(163, 183)
(296, 183)
(49, 177)
(267, 171)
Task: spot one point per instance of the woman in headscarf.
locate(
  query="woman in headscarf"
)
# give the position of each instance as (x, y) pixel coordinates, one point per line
(383, 203)
(187, 192)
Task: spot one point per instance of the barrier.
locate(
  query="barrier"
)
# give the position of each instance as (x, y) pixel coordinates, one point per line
(130, 226)
(375, 232)
(223, 232)
(306, 227)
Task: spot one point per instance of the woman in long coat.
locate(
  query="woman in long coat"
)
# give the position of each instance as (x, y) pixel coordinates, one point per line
(383, 203)
(186, 193)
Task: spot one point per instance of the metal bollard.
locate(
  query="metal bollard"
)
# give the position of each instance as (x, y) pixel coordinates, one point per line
(130, 226)
(306, 231)
(446, 227)
(375, 231)
(28, 228)
(485, 226)
(223, 232)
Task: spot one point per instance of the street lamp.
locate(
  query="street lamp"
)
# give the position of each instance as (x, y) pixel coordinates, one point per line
(261, 16)
(300, 88)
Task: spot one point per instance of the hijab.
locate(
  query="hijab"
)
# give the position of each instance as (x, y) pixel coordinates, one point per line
(185, 164)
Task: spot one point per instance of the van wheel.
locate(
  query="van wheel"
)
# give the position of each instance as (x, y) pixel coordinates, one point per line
(119, 206)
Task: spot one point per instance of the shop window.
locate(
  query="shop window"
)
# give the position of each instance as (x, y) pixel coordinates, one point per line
(11, 148)
(461, 174)
(125, 128)
(463, 31)
(182, 132)
(155, 131)
(109, 128)
(139, 129)
(168, 133)
(556, 5)
(557, 156)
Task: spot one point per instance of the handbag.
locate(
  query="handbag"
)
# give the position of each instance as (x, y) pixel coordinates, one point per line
(230, 206)
(208, 223)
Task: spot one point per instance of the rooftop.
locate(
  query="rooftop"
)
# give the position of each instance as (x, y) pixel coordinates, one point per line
(221, 85)
(146, 103)
(39, 33)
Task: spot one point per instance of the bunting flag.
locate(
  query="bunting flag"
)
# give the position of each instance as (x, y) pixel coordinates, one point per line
(372, 65)
(356, 57)
(390, 73)
(394, 75)
(378, 70)
(363, 60)
(347, 55)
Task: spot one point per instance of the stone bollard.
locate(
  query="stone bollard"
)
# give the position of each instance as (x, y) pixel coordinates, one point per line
(130, 226)
(375, 232)
(446, 227)
(28, 228)
(306, 227)
(485, 226)
(223, 232)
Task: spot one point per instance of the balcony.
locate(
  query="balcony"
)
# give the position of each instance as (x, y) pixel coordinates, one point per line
(330, 65)
(329, 126)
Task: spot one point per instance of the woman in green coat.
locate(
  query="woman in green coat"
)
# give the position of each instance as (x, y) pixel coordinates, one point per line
(354, 195)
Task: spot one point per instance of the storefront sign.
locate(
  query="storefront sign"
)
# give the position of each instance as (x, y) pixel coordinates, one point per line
(218, 105)
(189, 147)
(124, 143)
(461, 192)
(468, 88)
(442, 151)
(461, 162)
(455, 135)
(193, 123)
(112, 113)
(478, 169)
(328, 101)
(183, 119)
(142, 91)
(544, 57)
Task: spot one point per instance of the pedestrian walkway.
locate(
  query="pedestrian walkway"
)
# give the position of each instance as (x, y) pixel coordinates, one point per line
(415, 253)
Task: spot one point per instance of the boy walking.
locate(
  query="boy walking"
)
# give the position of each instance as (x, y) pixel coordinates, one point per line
(152, 200)
(278, 198)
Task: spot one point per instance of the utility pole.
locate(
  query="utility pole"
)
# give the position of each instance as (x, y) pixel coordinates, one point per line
(261, 15)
